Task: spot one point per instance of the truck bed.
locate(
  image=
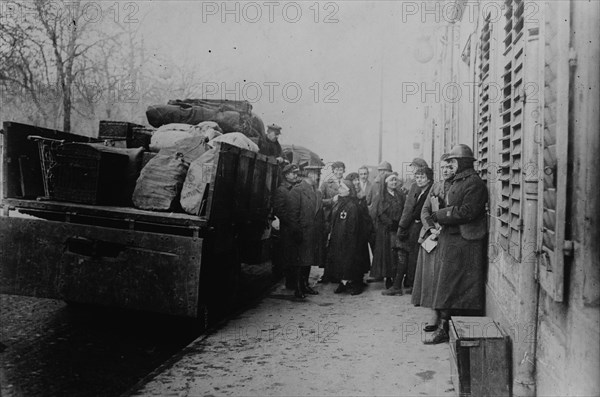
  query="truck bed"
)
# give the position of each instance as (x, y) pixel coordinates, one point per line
(166, 262)
(44, 209)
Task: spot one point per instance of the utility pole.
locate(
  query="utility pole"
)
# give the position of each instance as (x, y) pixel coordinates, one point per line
(381, 113)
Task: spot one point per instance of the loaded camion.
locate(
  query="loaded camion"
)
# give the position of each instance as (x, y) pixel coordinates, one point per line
(120, 256)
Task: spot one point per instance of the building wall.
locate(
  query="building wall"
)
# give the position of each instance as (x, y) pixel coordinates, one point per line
(568, 334)
(555, 345)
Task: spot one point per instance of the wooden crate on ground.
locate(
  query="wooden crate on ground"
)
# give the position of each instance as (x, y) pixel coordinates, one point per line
(479, 357)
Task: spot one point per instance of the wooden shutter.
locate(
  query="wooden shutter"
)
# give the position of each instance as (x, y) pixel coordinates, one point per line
(555, 32)
(483, 133)
(511, 131)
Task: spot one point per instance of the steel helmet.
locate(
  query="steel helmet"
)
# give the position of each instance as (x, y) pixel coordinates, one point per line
(384, 166)
(461, 151)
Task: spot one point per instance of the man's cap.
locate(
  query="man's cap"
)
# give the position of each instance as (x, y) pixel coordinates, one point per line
(290, 168)
(351, 176)
(419, 162)
(275, 128)
(338, 164)
(384, 166)
(310, 168)
(313, 167)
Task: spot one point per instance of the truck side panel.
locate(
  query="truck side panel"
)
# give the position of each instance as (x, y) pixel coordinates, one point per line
(104, 266)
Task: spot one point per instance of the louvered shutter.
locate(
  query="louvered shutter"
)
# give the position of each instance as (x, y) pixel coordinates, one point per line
(555, 31)
(483, 133)
(511, 130)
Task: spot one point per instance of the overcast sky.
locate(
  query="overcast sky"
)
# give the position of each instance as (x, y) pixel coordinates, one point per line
(313, 68)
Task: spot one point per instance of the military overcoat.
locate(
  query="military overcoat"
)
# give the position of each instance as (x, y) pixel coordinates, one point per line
(306, 204)
(462, 244)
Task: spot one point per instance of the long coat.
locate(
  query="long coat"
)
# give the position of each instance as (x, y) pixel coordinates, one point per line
(329, 189)
(409, 228)
(387, 211)
(372, 193)
(348, 240)
(306, 206)
(367, 233)
(427, 263)
(462, 244)
(282, 210)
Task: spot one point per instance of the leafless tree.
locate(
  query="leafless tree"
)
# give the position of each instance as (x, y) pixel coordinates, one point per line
(43, 50)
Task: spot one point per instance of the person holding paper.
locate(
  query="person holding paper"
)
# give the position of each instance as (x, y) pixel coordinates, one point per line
(427, 261)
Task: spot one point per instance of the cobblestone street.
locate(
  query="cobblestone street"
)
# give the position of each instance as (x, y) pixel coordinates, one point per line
(334, 345)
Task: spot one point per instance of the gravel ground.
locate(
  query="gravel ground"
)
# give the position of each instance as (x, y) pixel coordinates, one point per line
(53, 349)
(329, 345)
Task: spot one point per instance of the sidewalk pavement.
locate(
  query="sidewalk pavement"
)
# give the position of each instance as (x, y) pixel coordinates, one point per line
(329, 345)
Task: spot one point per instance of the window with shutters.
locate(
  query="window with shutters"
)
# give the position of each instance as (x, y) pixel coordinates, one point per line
(511, 131)
(555, 32)
(483, 133)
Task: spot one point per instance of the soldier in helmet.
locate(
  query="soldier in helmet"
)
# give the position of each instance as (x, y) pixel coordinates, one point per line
(459, 289)
(382, 168)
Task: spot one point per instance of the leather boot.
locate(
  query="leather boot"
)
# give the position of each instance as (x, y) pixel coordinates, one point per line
(356, 287)
(396, 288)
(440, 335)
(308, 289)
(393, 291)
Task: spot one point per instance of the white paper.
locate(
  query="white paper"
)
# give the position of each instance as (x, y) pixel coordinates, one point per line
(429, 244)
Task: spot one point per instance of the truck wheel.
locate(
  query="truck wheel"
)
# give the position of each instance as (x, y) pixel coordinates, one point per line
(222, 297)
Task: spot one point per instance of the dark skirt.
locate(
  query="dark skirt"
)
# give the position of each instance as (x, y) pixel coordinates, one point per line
(423, 287)
(460, 280)
(385, 260)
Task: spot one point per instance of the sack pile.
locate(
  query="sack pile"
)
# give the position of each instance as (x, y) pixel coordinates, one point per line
(179, 165)
(231, 116)
(178, 176)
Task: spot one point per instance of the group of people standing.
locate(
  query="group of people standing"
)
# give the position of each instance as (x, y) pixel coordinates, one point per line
(427, 239)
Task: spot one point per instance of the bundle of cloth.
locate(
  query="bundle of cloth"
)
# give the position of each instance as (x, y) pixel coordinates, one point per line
(232, 116)
(169, 135)
(178, 176)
